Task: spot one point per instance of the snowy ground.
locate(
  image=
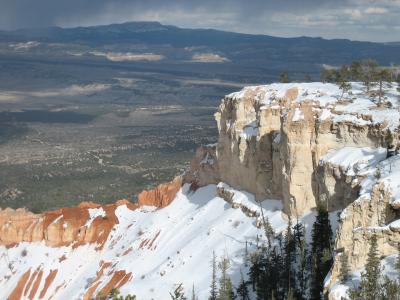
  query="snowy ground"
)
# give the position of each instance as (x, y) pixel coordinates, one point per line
(156, 249)
(355, 106)
(159, 248)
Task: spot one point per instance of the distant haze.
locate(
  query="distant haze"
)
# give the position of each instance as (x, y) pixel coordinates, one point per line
(353, 19)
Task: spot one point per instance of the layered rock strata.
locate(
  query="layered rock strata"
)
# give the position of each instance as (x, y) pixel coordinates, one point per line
(85, 224)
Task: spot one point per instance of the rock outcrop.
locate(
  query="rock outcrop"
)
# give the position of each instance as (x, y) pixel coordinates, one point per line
(273, 142)
(87, 223)
(162, 195)
(203, 167)
(271, 139)
(374, 212)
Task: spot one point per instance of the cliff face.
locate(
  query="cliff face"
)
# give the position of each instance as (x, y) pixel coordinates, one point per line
(271, 139)
(307, 144)
(374, 212)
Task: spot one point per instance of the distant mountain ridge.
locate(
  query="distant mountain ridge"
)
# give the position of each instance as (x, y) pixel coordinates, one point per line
(208, 53)
(154, 33)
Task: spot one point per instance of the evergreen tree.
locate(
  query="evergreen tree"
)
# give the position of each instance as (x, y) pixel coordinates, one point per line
(268, 230)
(329, 75)
(372, 269)
(321, 252)
(389, 139)
(254, 270)
(115, 295)
(178, 293)
(369, 287)
(344, 269)
(383, 75)
(284, 77)
(194, 297)
(263, 283)
(369, 71)
(289, 252)
(356, 71)
(345, 86)
(213, 286)
(301, 254)
(225, 291)
(242, 291)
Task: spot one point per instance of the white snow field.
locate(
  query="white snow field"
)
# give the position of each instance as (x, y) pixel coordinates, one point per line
(160, 248)
(354, 106)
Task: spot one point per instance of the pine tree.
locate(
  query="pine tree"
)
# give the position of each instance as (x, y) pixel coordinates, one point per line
(284, 77)
(277, 274)
(115, 295)
(369, 287)
(345, 86)
(372, 269)
(255, 270)
(389, 139)
(263, 283)
(321, 252)
(344, 269)
(369, 70)
(225, 291)
(194, 297)
(382, 76)
(178, 293)
(329, 75)
(356, 71)
(213, 286)
(242, 291)
(289, 252)
(301, 254)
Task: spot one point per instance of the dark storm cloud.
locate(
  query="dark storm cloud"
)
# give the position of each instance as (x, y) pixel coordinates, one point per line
(355, 19)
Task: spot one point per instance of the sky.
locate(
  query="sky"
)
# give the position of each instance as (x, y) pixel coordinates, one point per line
(352, 19)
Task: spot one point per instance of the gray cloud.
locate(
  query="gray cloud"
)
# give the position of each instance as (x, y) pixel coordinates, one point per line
(354, 19)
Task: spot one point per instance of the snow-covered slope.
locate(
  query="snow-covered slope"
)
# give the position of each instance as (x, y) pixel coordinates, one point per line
(300, 143)
(146, 253)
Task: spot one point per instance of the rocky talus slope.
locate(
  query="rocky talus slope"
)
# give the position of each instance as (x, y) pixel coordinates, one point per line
(282, 149)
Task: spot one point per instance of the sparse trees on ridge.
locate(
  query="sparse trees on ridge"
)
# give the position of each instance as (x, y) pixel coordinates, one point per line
(368, 72)
(284, 77)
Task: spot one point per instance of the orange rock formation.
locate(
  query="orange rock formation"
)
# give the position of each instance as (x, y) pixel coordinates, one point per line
(68, 226)
(162, 195)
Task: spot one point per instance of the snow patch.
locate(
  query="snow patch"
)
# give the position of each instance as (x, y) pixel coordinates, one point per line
(93, 214)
